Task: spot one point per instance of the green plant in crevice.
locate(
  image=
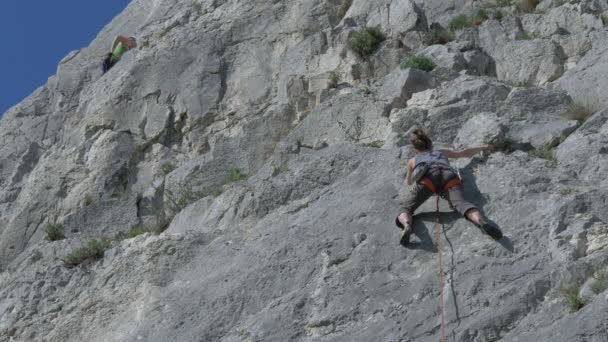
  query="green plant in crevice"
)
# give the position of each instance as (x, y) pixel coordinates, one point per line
(526, 6)
(92, 250)
(168, 167)
(480, 15)
(87, 200)
(573, 301)
(600, 282)
(546, 152)
(503, 3)
(438, 36)
(459, 22)
(54, 232)
(334, 78)
(580, 111)
(136, 231)
(366, 41)
(420, 62)
(234, 175)
(375, 144)
(344, 7)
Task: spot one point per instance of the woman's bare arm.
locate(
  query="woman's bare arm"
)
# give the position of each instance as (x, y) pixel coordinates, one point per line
(408, 173)
(467, 152)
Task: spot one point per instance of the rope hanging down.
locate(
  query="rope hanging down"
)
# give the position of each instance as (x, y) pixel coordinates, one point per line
(439, 248)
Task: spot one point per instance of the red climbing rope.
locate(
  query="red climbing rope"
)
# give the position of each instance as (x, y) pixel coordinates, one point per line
(439, 248)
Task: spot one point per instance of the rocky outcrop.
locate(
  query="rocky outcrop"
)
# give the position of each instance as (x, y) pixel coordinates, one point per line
(264, 160)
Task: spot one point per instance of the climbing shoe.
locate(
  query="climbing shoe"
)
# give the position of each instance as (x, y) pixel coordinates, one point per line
(406, 232)
(491, 230)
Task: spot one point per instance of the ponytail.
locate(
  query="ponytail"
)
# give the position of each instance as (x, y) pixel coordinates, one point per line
(420, 140)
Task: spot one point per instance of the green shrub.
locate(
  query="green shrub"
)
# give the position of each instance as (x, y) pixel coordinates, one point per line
(459, 22)
(92, 250)
(480, 14)
(418, 62)
(87, 200)
(573, 301)
(334, 78)
(234, 175)
(277, 170)
(438, 36)
(600, 283)
(496, 14)
(604, 19)
(506, 145)
(168, 167)
(136, 231)
(546, 152)
(54, 232)
(526, 6)
(503, 3)
(184, 195)
(580, 111)
(526, 36)
(344, 7)
(375, 144)
(366, 41)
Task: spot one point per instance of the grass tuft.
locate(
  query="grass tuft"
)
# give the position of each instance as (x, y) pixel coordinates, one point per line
(54, 232)
(459, 22)
(438, 36)
(600, 284)
(87, 200)
(168, 167)
(136, 231)
(418, 62)
(546, 152)
(573, 301)
(234, 175)
(334, 78)
(92, 250)
(366, 41)
(580, 111)
(375, 144)
(526, 6)
(344, 7)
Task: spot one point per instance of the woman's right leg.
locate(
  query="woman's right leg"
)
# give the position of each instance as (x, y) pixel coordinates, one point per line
(418, 195)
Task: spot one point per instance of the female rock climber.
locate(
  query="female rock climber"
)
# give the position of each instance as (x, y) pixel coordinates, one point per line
(432, 173)
(120, 45)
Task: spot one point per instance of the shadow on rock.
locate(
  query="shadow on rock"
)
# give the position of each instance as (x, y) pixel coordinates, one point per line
(421, 231)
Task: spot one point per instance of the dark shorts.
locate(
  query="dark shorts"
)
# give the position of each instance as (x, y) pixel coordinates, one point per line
(454, 195)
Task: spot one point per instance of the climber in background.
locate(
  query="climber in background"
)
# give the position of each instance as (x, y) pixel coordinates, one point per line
(120, 45)
(431, 172)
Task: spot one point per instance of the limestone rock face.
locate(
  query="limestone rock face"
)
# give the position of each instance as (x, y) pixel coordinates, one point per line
(264, 162)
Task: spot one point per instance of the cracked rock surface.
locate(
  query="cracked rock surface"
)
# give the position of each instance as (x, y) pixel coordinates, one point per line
(268, 187)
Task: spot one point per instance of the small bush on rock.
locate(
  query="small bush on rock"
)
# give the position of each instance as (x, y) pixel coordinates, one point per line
(344, 7)
(334, 78)
(87, 200)
(54, 232)
(438, 36)
(573, 301)
(366, 41)
(580, 111)
(600, 283)
(459, 22)
(526, 6)
(234, 175)
(92, 250)
(375, 144)
(480, 15)
(546, 152)
(136, 231)
(168, 167)
(418, 62)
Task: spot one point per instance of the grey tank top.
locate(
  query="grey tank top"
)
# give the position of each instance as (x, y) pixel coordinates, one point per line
(432, 158)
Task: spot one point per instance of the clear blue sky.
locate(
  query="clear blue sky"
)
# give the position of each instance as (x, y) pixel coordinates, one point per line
(36, 34)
